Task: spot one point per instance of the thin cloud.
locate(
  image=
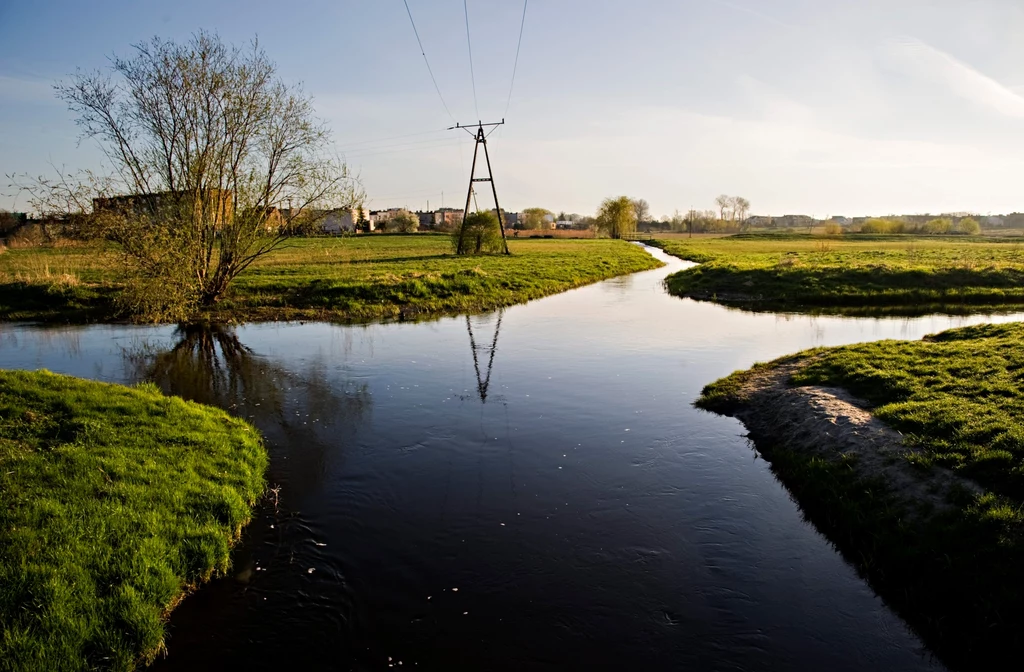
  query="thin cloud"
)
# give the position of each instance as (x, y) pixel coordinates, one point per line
(922, 60)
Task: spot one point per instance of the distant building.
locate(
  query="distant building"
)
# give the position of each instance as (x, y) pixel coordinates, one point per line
(220, 200)
(344, 220)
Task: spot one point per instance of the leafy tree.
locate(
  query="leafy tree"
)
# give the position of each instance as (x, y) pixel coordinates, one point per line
(970, 226)
(209, 143)
(533, 218)
(404, 221)
(939, 225)
(479, 233)
(617, 216)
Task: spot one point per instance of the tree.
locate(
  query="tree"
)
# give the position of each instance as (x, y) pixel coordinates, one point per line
(723, 202)
(404, 221)
(642, 209)
(209, 144)
(534, 218)
(480, 232)
(970, 226)
(740, 208)
(617, 216)
(939, 225)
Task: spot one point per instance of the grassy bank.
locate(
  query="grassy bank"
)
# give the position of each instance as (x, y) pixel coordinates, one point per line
(951, 569)
(341, 279)
(116, 502)
(769, 272)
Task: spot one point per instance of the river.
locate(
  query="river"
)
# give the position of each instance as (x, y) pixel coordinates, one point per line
(528, 489)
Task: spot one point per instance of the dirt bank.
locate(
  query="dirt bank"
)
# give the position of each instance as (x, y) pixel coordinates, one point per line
(831, 424)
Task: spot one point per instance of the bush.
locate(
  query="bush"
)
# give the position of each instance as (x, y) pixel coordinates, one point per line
(833, 229)
(480, 232)
(939, 225)
(969, 226)
(881, 225)
(404, 222)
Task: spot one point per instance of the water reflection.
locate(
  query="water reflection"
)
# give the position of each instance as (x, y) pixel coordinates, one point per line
(483, 381)
(305, 410)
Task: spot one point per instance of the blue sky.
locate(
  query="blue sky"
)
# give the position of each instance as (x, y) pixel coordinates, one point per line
(821, 107)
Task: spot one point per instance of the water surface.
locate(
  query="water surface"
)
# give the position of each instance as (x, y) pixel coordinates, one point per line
(529, 489)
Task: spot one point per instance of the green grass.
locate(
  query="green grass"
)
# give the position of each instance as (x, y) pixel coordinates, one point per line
(116, 502)
(958, 399)
(340, 279)
(843, 274)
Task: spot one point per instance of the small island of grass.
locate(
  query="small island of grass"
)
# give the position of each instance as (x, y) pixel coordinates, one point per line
(849, 274)
(909, 456)
(116, 502)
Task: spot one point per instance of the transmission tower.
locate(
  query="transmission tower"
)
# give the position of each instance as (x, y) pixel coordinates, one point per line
(481, 139)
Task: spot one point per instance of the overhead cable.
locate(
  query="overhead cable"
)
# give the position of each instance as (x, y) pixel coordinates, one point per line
(469, 43)
(423, 51)
(515, 66)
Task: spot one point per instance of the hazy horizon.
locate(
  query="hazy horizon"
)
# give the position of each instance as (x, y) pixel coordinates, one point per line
(818, 108)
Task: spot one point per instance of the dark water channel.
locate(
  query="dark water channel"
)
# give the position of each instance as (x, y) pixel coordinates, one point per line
(455, 495)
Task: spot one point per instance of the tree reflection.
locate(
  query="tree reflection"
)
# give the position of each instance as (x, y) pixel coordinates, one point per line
(302, 414)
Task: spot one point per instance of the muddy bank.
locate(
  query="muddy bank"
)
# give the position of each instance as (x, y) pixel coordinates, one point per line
(914, 532)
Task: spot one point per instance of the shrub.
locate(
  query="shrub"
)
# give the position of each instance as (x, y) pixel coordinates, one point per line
(882, 225)
(969, 226)
(939, 225)
(404, 222)
(480, 232)
(833, 229)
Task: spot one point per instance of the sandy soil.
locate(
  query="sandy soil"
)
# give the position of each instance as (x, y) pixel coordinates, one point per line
(830, 423)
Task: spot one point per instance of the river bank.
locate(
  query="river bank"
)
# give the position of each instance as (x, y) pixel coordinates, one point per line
(117, 503)
(906, 454)
(851, 274)
(350, 279)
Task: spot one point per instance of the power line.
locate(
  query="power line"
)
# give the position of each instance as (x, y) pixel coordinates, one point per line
(423, 51)
(516, 65)
(469, 43)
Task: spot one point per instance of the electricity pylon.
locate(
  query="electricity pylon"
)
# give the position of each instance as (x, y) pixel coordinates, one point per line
(481, 139)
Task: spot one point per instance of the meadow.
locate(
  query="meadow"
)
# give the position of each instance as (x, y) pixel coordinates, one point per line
(117, 502)
(958, 400)
(846, 273)
(354, 278)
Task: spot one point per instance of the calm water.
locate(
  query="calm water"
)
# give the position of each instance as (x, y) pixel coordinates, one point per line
(530, 489)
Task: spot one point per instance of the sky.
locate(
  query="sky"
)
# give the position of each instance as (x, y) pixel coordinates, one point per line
(819, 107)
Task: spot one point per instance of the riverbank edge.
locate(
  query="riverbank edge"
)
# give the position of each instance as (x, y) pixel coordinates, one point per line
(95, 303)
(893, 522)
(182, 552)
(897, 303)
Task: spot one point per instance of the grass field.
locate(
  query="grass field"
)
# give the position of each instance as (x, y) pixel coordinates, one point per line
(958, 400)
(342, 279)
(117, 501)
(842, 274)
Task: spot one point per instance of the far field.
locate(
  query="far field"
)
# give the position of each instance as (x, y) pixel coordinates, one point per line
(799, 271)
(340, 279)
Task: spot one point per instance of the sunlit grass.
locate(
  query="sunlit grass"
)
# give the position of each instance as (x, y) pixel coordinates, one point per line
(352, 278)
(801, 271)
(115, 502)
